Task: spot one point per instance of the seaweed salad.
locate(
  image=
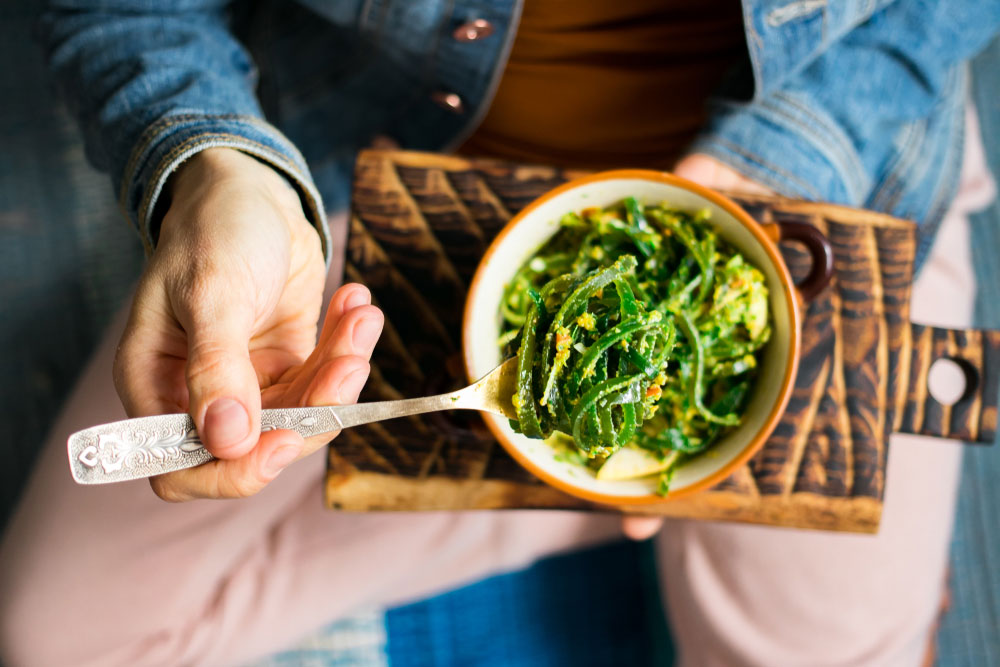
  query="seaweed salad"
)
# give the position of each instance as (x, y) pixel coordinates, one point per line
(637, 332)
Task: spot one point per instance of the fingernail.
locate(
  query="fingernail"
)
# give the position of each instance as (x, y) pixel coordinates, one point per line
(226, 423)
(280, 459)
(358, 297)
(366, 332)
(351, 386)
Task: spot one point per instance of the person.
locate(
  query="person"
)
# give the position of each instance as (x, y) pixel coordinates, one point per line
(862, 104)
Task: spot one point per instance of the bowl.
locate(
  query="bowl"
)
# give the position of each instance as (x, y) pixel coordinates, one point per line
(530, 228)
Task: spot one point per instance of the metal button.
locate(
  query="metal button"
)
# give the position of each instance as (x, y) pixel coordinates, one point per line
(449, 101)
(470, 31)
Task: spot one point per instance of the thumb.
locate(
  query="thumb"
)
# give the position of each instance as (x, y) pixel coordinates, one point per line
(223, 391)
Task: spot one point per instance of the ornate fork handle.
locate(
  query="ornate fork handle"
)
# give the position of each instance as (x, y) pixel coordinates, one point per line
(148, 446)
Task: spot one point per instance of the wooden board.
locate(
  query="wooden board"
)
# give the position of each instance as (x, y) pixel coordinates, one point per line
(419, 225)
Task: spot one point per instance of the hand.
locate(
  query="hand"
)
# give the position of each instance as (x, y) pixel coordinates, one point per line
(224, 322)
(715, 175)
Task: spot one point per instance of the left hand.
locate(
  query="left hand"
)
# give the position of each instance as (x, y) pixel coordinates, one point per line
(711, 173)
(715, 175)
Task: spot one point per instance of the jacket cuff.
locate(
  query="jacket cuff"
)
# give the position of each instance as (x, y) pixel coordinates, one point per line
(171, 140)
(788, 145)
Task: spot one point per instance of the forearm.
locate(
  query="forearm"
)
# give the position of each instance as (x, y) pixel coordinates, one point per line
(874, 121)
(153, 83)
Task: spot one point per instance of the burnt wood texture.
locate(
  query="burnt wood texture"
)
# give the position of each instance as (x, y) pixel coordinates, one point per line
(419, 224)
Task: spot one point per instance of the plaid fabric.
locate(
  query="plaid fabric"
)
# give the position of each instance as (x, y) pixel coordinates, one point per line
(596, 607)
(356, 641)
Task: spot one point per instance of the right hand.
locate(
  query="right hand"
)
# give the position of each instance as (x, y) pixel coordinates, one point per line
(226, 309)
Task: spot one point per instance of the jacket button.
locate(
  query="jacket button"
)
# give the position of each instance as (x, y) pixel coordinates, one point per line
(449, 101)
(470, 31)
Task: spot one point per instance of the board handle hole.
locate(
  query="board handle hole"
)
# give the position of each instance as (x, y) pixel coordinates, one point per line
(951, 379)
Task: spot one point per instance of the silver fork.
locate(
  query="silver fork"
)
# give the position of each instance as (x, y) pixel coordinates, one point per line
(147, 446)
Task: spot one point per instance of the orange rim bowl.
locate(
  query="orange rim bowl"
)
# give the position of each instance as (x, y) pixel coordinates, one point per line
(790, 300)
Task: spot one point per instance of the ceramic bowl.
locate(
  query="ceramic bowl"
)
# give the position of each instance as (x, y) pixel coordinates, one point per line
(530, 228)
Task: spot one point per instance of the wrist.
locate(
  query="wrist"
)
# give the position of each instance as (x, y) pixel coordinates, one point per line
(213, 166)
(216, 170)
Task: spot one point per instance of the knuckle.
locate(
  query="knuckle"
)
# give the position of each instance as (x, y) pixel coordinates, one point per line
(198, 292)
(244, 489)
(202, 285)
(233, 484)
(199, 283)
(166, 490)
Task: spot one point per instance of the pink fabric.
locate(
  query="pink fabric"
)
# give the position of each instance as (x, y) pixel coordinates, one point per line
(747, 595)
(113, 576)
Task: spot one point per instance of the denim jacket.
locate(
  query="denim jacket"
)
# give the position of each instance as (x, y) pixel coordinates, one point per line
(858, 102)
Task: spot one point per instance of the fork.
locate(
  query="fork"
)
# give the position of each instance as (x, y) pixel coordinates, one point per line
(148, 446)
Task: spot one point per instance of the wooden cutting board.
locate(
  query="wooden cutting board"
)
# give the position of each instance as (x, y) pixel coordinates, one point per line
(419, 224)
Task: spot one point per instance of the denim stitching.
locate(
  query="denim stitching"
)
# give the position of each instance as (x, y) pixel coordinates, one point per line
(748, 169)
(753, 158)
(910, 134)
(153, 187)
(912, 147)
(158, 180)
(129, 175)
(956, 149)
(946, 186)
(278, 161)
(163, 165)
(149, 134)
(835, 131)
(833, 144)
(210, 140)
(886, 195)
(145, 139)
(755, 45)
(942, 200)
(793, 11)
(157, 129)
(955, 95)
(804, 186)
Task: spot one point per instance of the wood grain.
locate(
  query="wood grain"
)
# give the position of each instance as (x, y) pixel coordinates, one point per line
(973, 418)
(420, 223)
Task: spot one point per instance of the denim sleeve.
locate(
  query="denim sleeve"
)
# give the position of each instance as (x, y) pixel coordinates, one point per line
(152, 83)
(864, 112)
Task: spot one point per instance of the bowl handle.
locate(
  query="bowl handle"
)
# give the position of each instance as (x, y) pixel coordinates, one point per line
(818, 247)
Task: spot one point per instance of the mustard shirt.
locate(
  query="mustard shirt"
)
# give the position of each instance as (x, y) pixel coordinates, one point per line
(609, 83)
